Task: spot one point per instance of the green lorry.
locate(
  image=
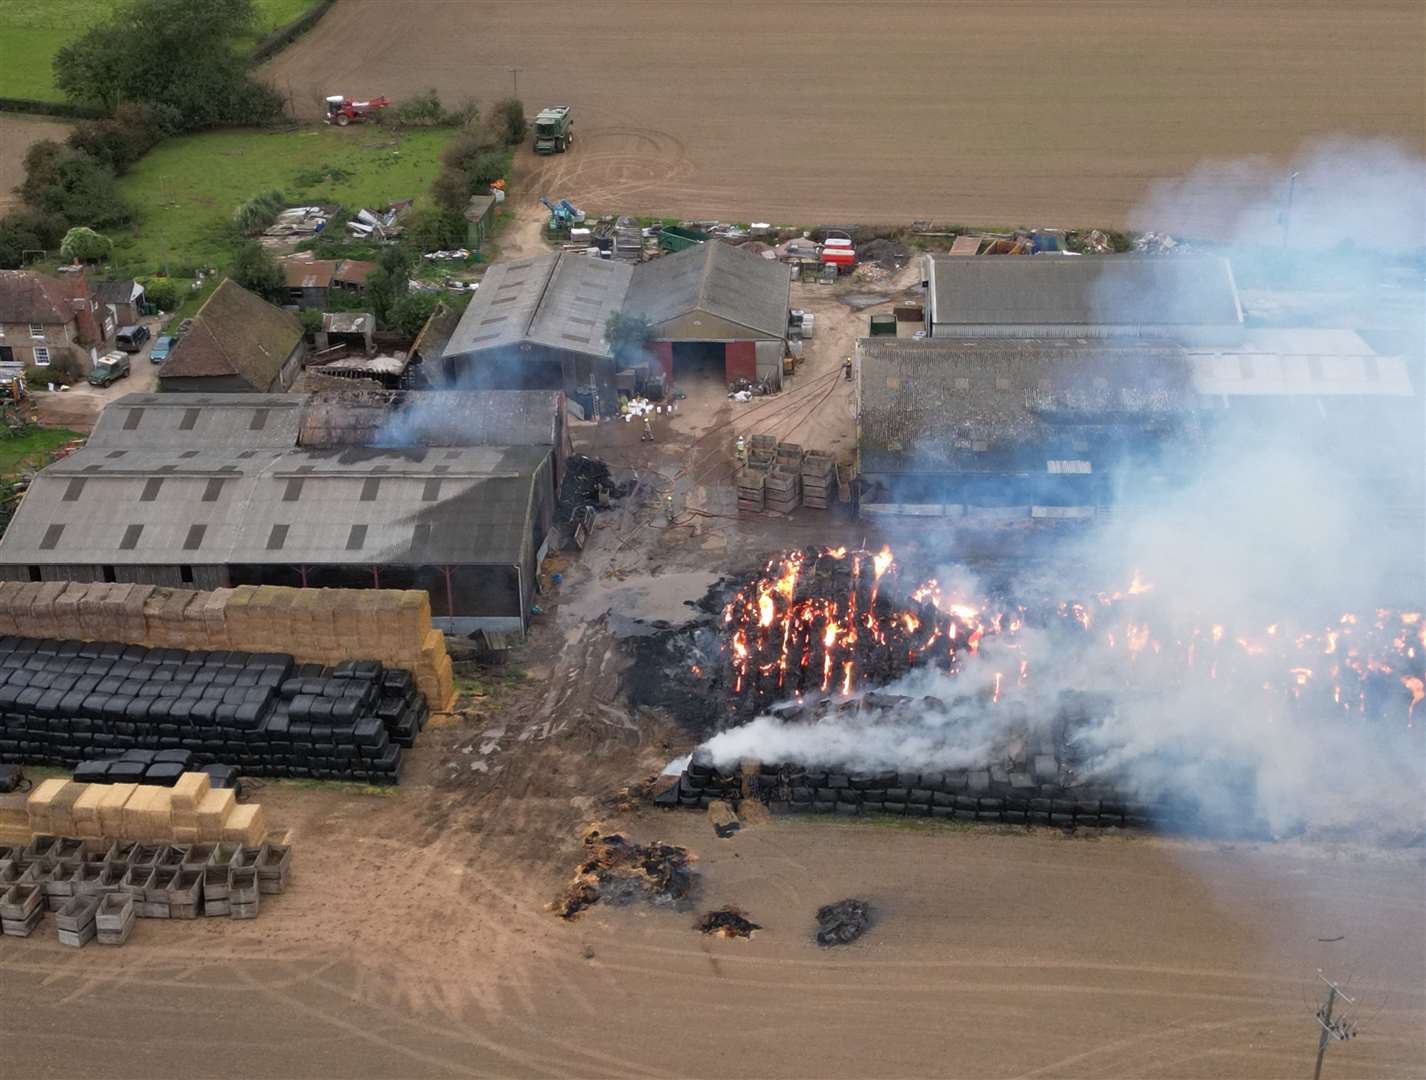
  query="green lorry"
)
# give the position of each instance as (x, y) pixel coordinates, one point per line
(554, 130)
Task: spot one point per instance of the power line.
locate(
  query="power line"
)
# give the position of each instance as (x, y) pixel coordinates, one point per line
(1338, 1030)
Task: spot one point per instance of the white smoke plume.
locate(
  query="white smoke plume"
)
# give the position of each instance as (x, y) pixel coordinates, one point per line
(1291, 516)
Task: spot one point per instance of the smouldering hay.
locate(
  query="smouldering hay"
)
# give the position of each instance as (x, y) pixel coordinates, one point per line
(618, 871)
(843, 922)
(728, 922)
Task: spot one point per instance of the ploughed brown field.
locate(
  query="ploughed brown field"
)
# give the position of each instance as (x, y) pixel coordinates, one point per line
(985, 112)
(17, 133)
(412, 942)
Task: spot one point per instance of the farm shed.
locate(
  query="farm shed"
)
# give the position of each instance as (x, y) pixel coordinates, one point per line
(1190, 298)
(465, 524)
(479, 219)
(1010, 428)
(239, 343)
(229, 489)
(714, 309)
(538, 324)
(121, 303)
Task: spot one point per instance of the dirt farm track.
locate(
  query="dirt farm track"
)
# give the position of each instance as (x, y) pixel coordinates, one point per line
(984, 112)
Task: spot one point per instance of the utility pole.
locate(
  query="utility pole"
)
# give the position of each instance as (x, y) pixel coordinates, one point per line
(1338, 1030)
(515, 74)
(1287, 211)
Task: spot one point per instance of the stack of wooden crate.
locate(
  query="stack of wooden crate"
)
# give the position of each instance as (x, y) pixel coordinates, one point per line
(819, 478)
(762, 449)
(750, 488)
(783, 489)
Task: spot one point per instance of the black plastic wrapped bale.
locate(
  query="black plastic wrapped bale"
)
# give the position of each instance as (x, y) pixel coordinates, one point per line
(67, 703)
(95, 771)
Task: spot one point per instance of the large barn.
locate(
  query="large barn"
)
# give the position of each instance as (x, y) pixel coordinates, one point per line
(1010, 428)
(1183, 297)
(715, 309)
(540, 323)
(190, 490)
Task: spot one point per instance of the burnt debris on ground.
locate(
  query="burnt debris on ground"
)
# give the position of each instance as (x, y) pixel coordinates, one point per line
(843, 922)
(615, 870)
(728, 922)
(584, 480)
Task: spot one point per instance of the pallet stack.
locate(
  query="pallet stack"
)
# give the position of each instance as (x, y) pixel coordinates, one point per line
(819, 480)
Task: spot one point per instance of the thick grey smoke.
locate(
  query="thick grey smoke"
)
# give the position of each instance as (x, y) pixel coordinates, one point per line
(1283, 511)
(1348, 194)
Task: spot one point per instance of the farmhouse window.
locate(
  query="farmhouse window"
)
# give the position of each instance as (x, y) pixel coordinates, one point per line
(42, 356)
(37, 331)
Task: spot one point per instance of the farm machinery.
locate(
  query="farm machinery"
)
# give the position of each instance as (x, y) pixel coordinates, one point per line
(563, 214)
(343, 110)
(554, 130)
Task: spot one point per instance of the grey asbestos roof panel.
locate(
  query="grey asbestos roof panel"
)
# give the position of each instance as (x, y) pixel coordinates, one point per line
(715, 277)
(1044, 290)
(201, 421)
(501, 310)
(464, 505)
(581, 294)
(971, 404)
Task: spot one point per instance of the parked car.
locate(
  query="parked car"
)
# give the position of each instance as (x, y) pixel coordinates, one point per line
(108, 369)
(161, 347)
(132, 338)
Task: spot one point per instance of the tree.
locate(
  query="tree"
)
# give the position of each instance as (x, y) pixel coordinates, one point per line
(629, 335)
(162, 293)
(483, 169)
(179, 53)
(256, 270)
(63, 181)
(28, 229)
(85, 245)
(449, 190)
(411, 311)
(508, 116)
(435, 230)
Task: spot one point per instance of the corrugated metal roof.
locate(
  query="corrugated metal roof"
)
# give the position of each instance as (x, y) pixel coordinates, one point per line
(500, 312)
(736, 285)
(1048, 290)
(563, 301)
(980, 404)
(460, 505)
(1297, 362)
(581, 294)
(202, 421)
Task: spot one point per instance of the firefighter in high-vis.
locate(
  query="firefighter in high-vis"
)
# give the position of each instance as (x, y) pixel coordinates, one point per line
(740, 448)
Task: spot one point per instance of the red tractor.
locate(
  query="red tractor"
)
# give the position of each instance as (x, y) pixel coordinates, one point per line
(343, 110)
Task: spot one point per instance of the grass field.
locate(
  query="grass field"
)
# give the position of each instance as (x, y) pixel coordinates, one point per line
(30, 449)
(32, 31)
(185, 190)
